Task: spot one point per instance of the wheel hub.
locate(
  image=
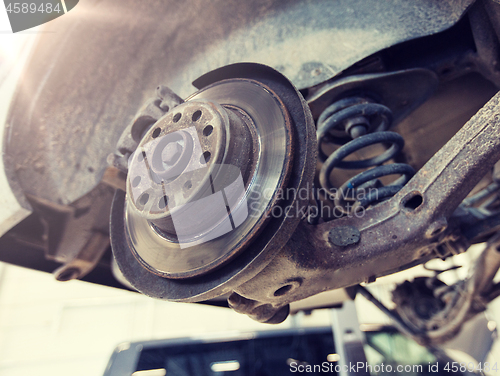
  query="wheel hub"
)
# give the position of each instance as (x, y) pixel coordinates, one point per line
(202, 181)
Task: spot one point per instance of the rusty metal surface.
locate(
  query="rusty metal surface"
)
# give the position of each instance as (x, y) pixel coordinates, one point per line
(73, 130)
(433, 313)
(431, 125)
(401, 91)
(258, 311)
(395, 233)
(269, 241)
(93, 68)
(415, 225)
(251, 137)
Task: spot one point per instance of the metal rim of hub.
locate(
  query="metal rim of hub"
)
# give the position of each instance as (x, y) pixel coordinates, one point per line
(177, 129)
(163, 256)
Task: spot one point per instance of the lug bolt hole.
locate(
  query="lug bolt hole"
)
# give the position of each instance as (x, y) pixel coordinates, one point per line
(136, 181)
(162, 204)
(143, 200)
(207, 131)
(196, 115)
(156, 132)
(177, 117)
(188, 185)
(205, 157)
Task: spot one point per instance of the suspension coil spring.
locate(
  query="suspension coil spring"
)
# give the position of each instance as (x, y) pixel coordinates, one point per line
(355, 123)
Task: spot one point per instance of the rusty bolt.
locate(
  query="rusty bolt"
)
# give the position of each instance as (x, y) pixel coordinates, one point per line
(436, 228)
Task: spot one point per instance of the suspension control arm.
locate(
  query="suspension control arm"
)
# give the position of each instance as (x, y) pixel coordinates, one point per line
(401, 232)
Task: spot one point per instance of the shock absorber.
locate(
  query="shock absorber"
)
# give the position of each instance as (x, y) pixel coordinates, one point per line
(355, 123)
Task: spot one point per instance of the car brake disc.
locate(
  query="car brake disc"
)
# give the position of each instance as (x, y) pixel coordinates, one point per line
(206, 204)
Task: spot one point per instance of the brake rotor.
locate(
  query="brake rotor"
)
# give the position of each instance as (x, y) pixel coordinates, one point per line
(240, 130)
(202, 181)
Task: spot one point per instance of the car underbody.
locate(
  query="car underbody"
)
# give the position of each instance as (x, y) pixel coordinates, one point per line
(253, 155)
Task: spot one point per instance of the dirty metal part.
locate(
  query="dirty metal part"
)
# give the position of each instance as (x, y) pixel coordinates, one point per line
(405, 230)
(401, 91)
(279, 226)
(261, 312)
(480, 283)
(85, 260)
(396, 319)
(327, 299)
(434, 312)
(485, 227)
(357, 122)
(268, 31)
(75, 236)
(484, 19)
(82, 241)
(496, 172)
(343, 236)
(356, 112)
(392, 234)
(61, 166)
(115, 178)
(196, 149)
(147, 115)
(352, 117)
(416, 303)
(479, 212)
(250, 133)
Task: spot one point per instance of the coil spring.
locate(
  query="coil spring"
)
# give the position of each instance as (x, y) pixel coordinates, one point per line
(356, 123)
